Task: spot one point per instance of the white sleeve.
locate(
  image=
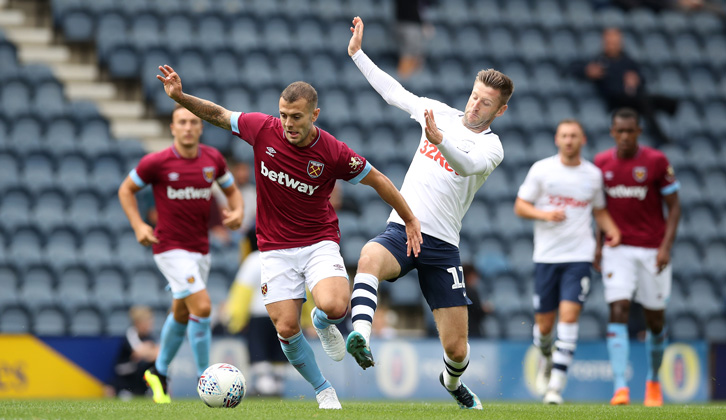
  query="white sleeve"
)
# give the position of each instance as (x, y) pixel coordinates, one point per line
(467, 159)
(530, 188)
(386, 86)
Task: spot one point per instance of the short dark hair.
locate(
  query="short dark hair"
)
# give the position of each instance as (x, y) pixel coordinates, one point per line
(300, 90)
(626, 113)
(571, 121)
(499, 81)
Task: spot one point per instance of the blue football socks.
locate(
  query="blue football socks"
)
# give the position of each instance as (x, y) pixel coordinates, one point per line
(301, 356)
(172, 336)
(655, 344)
(200, 339)
(619, 349)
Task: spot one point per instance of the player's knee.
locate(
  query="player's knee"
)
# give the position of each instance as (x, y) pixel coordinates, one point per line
(287, 329)
(455, 350)
(335, 309)
(202, 309)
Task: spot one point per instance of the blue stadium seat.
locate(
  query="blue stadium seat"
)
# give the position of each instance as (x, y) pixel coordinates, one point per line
(86, 321)
(38, 286)
(111, 31)
(405, 291)
(16, 319)
(580, 14)
(714, 120)
(686, 258)
(9, 283)
(72, 172)
(49, 100)
(74, 285)
(179, 31)
(78, 25)
(642, 19)
(703, 299)
(50, 320)
(145, 30)
(9, 66)
(715, 50)
(10, 171)
(192, 65)
(48, 211)
(212, 28)
(335, 108)
(687, 49)
(61, 247)
(684, 327)
(109, 286)
(565, 48)
(15, 98)
(674, 22)
(123, 61)
(26, 135)
(143, 288)
(218, 285)
(350, 247)
(83, 209)
(96, 247)
(657, 49)
(257, 72)
(289, 67)
(715, 328)
(520, 256)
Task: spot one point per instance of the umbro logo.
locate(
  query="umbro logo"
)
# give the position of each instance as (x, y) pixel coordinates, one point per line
(270, 151)
(173, 176)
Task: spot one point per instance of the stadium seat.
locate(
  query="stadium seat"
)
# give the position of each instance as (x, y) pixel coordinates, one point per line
(145, 30)
(144, 288)
(674, 22)
(74, 284)
(289, 67)
(714, 262)
(72, 172)
(83, 209)
(218, 285)
(15, 319)
(715, 50)
(506, 296)
(27, 245)
(657, 49)
(78, 25)
(86, 321)
(48, 211)
(111, 31)
(61, 246)
(179, 31)
(26, 135)
(642, 19)
(96, 248)
(123, 62)
(109, 286)
(349, 225)
(715, 329)
(50, 320)
(15, 207)
(212, 28)
(703, 300)
(9, 284)
(520, 256)
(684, 327)
(686, 258)
(117, 321)
(49, 100)
(38, 286)
(688, 49)
(565, 47)
(350, 247)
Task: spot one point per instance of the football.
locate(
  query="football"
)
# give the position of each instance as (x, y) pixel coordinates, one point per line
(222, 385)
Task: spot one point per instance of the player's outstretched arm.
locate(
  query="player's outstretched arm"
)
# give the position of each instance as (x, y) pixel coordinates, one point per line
(206, 110)
(527, 210)
(390, 194)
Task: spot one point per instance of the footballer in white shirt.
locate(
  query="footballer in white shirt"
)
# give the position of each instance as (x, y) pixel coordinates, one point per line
(456, 153)
(562, 193)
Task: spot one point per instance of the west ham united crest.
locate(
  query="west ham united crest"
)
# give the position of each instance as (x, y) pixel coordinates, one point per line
(263, 288)
(640, 173)
(208, 172)
(315, 168)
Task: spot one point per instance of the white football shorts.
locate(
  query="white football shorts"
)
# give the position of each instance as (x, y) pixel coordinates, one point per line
(286, 272)
(630, 273)
(187, 272)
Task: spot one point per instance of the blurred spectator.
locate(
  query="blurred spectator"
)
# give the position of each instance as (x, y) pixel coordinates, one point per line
(684, 5)
(138, 353)
(411, 36)
(620, 82)
(478, 309)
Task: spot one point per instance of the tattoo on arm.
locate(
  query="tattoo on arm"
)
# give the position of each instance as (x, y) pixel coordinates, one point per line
(207, 110)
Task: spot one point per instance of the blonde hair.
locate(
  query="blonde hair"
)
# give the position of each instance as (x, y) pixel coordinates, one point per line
(499, 81)
(140, 313)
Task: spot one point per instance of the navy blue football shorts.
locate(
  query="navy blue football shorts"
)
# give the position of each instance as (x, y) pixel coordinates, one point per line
(438, 264)
(554, 283)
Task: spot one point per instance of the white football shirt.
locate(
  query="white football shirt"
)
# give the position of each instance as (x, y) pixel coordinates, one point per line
(442, 179)
(578, 190)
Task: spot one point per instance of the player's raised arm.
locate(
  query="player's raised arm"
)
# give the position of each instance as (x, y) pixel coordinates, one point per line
(206, 110)
(390, 194)
(386, 86)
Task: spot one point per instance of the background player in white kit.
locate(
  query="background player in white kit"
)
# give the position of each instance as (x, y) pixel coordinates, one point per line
(448, 168)
(181, 177)
(639, 182)
(562, 193)
(297, 165)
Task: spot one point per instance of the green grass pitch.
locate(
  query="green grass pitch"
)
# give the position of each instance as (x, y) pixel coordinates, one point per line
(256, 408)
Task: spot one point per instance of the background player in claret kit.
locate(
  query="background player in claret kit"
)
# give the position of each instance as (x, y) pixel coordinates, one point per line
(181, 177)
(562, 193)
(638, 182)
(296, 167)
(448, 168)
